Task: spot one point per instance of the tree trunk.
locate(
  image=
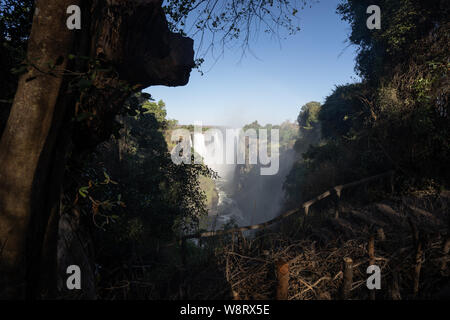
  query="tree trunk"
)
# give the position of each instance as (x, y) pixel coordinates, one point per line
(133, 35)
(24, 165)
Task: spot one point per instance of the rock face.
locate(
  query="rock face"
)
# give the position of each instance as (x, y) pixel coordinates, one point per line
(133, 38)
(136, 37)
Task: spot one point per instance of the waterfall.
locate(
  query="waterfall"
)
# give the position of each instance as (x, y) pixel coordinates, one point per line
(210, 146)
(257, 199)
(199, 145)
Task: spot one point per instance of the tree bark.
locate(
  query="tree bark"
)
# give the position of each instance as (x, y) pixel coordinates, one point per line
(133, 35)
(24, 139)
(282, 291)
(347, 281)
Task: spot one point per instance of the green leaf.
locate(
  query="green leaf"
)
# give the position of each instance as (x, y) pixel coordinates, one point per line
(83, 191)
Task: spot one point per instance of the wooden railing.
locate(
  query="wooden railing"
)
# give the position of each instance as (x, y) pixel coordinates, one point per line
(336, 191)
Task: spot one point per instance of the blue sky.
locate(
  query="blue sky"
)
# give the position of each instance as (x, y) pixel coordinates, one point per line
(271, 85)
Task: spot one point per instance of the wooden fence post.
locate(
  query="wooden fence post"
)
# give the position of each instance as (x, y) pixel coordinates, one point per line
(244, 242)
(348, 278)
(337, 199)
(417, 241)
(304, 218)
(282, 268)
(381, 235)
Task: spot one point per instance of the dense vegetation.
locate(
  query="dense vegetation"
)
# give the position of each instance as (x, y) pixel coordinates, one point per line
(15, 26)
(396, 118)
(139, 200)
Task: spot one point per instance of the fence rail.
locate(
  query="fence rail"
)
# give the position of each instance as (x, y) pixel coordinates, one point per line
(337, 190)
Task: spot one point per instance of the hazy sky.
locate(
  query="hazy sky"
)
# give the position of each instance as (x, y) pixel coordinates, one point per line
(271, 85)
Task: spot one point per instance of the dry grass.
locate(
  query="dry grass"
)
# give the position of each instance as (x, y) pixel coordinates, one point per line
(316, 258)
